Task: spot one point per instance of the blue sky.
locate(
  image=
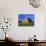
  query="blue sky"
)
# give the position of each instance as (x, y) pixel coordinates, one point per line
(22, 16)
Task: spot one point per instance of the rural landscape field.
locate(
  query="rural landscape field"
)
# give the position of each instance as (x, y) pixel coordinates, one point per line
(26, 20)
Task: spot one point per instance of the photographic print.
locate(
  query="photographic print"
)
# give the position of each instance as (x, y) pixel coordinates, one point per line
(26, 20)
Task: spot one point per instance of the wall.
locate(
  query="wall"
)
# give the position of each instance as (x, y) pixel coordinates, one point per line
(11, 8)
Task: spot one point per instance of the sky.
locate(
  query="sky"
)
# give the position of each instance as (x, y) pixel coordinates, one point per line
(22, 16)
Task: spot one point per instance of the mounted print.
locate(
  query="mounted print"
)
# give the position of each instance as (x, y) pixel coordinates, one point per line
(26, 19)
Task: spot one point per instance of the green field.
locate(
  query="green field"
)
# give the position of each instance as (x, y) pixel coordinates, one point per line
(26, 24)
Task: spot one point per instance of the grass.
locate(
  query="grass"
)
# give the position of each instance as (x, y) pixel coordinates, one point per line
(26, 24)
